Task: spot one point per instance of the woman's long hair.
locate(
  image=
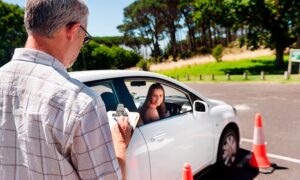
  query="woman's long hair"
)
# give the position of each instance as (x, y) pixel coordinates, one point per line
(161, 109)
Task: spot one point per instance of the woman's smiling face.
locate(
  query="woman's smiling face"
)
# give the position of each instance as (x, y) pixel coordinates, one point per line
(157, 97)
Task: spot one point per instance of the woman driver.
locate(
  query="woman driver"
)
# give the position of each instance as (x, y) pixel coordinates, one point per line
(154, 107)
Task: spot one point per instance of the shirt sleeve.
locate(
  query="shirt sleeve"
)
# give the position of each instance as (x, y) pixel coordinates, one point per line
(93, 153)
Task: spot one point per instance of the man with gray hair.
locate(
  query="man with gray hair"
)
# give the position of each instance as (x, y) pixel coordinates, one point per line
(53, 126)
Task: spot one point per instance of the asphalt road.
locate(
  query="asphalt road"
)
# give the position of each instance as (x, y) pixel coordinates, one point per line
(279, 106)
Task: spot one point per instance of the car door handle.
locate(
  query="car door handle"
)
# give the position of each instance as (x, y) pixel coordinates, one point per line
(159, 137)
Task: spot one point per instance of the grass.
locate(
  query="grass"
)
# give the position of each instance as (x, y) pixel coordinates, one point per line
(253, 67)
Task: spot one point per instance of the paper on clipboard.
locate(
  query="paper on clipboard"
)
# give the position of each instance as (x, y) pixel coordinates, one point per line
(133, 118)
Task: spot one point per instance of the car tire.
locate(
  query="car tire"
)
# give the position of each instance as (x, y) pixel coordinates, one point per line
(228, 149)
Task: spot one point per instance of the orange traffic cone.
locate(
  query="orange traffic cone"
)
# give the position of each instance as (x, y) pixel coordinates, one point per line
(187, 172)
(259, 157)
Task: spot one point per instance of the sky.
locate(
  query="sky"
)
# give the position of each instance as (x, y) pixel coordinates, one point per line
(104, 17)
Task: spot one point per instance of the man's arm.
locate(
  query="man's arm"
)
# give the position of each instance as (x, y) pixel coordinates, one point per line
(93, 154)
(121, 134)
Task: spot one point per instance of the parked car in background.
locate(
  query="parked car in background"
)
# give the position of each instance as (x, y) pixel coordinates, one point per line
(199, 130)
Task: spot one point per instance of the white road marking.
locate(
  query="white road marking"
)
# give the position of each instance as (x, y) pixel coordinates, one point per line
(268, 97)
(284, 158)
(250, 141)
(247, 140)
(294, 160)
(242, 107)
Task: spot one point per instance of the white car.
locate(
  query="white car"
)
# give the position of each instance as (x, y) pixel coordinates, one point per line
(199, 130)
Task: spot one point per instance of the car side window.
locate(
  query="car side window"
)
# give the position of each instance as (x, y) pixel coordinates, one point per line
(175, 102)
(106, 92)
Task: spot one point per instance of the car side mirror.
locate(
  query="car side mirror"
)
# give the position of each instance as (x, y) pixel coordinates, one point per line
(200, 107)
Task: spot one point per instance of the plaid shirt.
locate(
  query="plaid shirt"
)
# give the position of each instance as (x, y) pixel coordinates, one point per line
(51, 126)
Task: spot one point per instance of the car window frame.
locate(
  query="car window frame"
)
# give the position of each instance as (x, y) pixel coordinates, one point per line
(116, 88)
(184, 91)
(190, 96)
(90, 84)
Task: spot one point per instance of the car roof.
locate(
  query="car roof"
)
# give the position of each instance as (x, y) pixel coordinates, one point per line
(86, 76)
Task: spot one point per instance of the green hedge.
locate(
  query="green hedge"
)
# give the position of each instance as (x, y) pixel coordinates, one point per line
(97, 56)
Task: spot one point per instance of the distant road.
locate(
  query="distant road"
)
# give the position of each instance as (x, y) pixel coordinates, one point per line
(279, 105)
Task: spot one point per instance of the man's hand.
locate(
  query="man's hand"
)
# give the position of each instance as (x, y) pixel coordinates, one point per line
(121, 134)
(125, 128)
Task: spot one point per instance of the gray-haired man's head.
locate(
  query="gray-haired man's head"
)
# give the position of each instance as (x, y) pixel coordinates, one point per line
(45, 17)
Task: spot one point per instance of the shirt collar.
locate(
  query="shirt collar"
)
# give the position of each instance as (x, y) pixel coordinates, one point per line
(39, 57)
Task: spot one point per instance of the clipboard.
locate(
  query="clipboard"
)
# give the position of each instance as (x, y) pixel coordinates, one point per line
(133, 117)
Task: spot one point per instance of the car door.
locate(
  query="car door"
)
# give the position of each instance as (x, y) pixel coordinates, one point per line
(113, 93)
(181, 137)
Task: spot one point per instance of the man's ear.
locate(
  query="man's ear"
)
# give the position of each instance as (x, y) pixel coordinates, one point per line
(72, 30)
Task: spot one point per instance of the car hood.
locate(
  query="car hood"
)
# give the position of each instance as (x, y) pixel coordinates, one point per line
(216, 102)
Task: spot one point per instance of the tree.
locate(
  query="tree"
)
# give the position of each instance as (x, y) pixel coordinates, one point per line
(141, 19)
(297, 27)
(215, 20)
(187, 10)
(136, 43)
(130, 39)
(12, 31)
(109, 40)
(257, 23)
(170, 16)
(270, 22)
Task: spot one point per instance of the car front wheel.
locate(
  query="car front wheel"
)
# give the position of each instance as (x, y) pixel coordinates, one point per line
(228, 149)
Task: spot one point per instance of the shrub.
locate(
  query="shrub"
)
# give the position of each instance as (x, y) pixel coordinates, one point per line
(217, 52)
(203, 50)
(144, 65)
(98, 56)
(185, 55)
